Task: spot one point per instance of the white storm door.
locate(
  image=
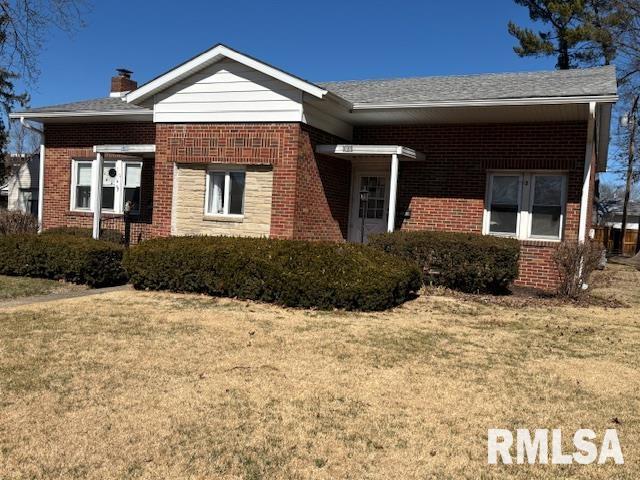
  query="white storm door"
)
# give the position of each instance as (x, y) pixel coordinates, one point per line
(371, 217)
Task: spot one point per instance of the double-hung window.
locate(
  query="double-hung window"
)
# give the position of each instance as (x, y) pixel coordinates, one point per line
(121, 181)
(225, 192)
(526, 205)
(81, 188)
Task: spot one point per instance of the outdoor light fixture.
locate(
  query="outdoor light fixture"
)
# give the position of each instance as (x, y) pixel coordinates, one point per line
(364, 196)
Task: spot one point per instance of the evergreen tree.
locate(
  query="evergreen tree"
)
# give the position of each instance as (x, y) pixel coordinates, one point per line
(580, 32)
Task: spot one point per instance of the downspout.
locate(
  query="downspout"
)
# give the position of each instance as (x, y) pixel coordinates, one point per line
(586, 179)
(40, 132)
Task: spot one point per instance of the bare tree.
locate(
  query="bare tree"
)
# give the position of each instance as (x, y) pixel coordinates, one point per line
(26, 25)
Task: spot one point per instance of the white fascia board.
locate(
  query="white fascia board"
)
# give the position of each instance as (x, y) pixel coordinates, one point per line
(370, 150)
(489, 103)
(84, 113)
(141, 148)
(212, 56)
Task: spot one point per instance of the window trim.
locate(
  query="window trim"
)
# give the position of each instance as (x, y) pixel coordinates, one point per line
(118, 202)
(225, 170)
(525, 204)
(74, 184)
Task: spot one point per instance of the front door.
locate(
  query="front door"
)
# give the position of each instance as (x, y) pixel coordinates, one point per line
(370, 217)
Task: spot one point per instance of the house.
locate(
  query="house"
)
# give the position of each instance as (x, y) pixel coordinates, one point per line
(227, 144)
(22, 183)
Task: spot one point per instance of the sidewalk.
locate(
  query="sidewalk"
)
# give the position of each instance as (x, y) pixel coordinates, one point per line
(62, 296)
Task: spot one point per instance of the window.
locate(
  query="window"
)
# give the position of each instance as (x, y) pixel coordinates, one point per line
(375, 200)
(525, 205)
(28, 200)
(225, 192)
(81, 192)
(121, 181)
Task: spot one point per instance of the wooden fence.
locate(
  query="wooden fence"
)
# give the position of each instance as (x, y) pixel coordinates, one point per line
(610, 238)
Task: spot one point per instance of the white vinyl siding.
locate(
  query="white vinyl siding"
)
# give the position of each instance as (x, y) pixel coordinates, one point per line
(228, 92)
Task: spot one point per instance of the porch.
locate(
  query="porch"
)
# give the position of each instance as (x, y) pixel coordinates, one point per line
(374, 185)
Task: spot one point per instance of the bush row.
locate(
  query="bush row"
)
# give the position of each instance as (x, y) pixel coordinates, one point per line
(80, 260)
(108, 235)
(467, 262)
(286, 272)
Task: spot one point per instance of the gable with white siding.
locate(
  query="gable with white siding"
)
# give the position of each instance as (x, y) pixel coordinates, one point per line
(229, 91)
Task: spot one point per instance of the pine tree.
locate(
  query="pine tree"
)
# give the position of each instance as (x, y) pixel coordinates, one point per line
(580, 32)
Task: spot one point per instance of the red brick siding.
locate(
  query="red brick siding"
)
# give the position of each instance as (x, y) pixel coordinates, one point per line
(65, 142)
(323, 187)
(269, 144)
(447, 191)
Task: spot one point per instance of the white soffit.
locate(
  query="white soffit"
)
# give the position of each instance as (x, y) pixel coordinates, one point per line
(212, 56)
(125, 148)
(348, 150)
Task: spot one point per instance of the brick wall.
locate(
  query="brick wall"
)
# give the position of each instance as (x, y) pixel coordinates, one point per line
(310, 194)
(65, 142)
(323, 187)
(447, 191)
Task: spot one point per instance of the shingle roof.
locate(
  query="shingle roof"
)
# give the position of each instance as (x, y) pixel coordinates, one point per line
(494, 86)
(559, 83)
(106, 104)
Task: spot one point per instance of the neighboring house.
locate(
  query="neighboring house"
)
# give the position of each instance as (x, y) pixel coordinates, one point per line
(4, 196)
(227, 144)
(22, 183)
(613, 217)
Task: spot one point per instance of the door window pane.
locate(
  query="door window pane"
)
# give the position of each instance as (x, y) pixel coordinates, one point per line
(374, 209)
(236, 193)
(546, 209)
(504, 204)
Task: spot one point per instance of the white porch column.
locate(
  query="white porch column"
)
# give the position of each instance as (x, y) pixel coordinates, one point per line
(393, 193)
(586, 179)
(41, 188)
(96, 194)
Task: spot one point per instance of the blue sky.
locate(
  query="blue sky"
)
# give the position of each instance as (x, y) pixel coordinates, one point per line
(317, 40)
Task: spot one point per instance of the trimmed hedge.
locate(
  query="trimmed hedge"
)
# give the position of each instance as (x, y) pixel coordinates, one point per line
(71, 258)
(108, 235)
(287, 272)
(462, 261)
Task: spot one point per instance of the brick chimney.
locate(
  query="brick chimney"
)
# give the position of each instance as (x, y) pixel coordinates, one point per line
(121, 84)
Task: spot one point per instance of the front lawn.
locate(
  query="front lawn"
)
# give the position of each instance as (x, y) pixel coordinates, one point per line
(16, 287)
(154, 385)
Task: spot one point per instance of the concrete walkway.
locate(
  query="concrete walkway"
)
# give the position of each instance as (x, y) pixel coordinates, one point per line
(52, 297)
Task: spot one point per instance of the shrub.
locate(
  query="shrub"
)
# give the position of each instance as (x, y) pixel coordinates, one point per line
(287, 272)
(467, 262)
(108, 235)
(16, 223)
(576, 262)
(71, 258)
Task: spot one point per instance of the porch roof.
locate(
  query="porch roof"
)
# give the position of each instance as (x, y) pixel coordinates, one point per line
(354, 151)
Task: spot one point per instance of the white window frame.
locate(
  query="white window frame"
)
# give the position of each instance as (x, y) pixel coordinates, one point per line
(74, 184)
(525, 203)
(118, 202)
(225, 170)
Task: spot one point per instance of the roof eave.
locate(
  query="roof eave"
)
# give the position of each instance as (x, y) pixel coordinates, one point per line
(79, 114)
(612, 98)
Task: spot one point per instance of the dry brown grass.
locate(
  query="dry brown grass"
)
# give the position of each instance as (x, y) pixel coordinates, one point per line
(151, 385)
